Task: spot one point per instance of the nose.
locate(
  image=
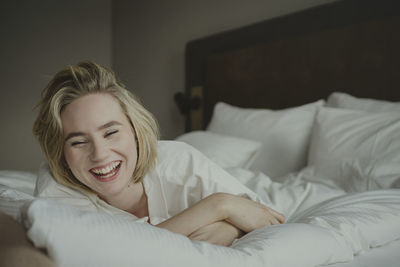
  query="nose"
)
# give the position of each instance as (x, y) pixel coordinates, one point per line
(99, 151)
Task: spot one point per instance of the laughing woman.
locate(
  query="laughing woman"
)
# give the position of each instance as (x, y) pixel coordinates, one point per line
(102, 148)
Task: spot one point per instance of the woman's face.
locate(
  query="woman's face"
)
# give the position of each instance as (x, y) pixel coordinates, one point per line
(100, 146)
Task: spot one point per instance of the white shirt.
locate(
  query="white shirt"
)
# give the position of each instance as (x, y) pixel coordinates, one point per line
(182, 176)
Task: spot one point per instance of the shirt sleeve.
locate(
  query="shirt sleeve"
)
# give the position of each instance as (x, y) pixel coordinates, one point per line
(187, 176)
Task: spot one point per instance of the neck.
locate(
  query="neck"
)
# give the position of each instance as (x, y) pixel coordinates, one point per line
(133, 200)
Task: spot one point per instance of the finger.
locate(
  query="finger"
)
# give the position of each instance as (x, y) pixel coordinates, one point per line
(279, 216)
(273, 221)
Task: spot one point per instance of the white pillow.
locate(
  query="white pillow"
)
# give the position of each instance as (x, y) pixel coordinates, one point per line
(346, 101)
(11, 201)
(354, 175)
(73, 237)
(226, 151)
(20, 180)
(284, 134)
(16, 188)
(363, 145)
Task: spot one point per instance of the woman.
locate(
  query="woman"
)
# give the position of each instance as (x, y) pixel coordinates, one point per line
(100, 141)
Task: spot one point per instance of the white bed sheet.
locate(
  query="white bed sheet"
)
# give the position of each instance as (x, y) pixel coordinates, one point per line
(385, 256)
(300, 192)
(304, 188)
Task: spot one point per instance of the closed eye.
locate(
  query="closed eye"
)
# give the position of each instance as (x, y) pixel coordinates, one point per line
(77, 143)
(111, 133)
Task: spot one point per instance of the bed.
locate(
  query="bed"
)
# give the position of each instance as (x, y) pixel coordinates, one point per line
(339, 62)
(302, 109)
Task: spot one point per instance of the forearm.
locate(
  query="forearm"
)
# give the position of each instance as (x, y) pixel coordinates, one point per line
(242, 213)
(204, 212)
(248, 215)
(219, 233)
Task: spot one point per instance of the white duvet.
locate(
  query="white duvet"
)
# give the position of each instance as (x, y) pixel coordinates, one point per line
(340, 226)
(330, 232)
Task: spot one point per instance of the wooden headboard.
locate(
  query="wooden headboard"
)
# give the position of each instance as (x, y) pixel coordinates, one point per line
(350, 46)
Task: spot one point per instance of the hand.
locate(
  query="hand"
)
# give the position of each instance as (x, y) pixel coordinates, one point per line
(219, 233)
(248, 215)
(243, 213)
(205, 212)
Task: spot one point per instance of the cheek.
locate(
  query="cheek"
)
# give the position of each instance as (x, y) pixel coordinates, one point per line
(67, 156)
(72, 158)
(125, 141)
(129, 146)
(75, 163)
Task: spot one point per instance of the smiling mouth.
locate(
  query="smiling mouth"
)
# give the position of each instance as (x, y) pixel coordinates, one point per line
(107, 172)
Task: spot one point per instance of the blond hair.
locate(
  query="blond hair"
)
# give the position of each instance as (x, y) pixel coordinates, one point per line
(76, 81)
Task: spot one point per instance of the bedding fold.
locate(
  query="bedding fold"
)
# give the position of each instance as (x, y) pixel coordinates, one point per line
(332, 231)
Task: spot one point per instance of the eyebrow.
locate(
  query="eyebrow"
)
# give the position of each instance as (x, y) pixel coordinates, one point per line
(102, 127)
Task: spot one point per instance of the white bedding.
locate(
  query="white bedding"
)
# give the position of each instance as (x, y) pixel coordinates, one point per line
(342, 209)
(75, 238)
(342, 226)
(387, 256)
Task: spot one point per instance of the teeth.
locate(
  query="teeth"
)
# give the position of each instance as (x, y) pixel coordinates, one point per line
(108, 175)
(106, 170)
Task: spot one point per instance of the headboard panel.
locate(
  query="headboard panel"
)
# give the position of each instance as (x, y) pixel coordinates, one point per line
(350, 46)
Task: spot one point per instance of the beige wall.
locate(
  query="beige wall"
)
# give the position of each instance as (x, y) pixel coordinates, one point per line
(150, 37)
(37, 39)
